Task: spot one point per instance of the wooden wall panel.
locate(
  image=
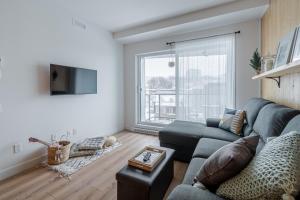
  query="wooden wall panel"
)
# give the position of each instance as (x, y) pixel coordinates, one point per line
(281, 17)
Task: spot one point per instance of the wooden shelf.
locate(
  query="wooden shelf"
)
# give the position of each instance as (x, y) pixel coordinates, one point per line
(290, 68)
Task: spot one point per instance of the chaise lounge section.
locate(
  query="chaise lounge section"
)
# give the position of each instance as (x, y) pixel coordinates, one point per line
(195, 142)
(183, 136)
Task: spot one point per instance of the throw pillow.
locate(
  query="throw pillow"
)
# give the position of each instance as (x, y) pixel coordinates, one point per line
(273, 172)
(230, 111)
(233, 122)
(227, 162)
(226, 120)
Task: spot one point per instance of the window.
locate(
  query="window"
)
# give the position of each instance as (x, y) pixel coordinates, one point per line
(206, 73)
(200, 85)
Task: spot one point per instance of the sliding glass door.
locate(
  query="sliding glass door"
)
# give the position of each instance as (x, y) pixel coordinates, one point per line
(157, 89)
(194, 82)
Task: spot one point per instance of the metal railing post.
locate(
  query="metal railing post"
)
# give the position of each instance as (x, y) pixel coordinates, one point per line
(157, 112)
(149, 106)
(159, 106)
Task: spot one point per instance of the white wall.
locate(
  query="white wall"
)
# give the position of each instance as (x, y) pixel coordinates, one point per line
(33, 34)
(246, 43)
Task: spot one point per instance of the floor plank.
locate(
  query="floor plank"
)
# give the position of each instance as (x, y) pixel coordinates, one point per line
(94, 182)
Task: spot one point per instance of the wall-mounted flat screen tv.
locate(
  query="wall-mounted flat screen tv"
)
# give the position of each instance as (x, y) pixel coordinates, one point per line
(72, 80)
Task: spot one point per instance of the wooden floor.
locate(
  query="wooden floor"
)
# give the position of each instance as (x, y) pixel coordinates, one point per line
(96, 181)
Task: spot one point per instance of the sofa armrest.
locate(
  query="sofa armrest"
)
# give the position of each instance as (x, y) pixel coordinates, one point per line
(188, 192)
(213, 122)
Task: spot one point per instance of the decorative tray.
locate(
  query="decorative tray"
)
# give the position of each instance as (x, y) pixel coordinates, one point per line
(157, 155)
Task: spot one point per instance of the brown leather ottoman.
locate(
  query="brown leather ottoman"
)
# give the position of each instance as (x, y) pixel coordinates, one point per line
(135, 184)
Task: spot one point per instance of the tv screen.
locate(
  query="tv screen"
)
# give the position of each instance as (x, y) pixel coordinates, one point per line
(72, 80)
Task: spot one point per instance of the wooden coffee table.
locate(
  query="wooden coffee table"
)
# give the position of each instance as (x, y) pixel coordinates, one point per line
(135, 184)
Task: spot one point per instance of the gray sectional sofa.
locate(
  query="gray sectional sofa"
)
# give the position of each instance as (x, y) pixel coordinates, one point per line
(195, 142)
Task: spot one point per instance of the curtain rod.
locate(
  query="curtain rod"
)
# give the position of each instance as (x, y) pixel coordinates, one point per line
(174, 42)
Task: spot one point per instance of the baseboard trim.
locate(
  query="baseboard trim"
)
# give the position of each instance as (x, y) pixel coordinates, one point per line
(146, 131)
(20, 167)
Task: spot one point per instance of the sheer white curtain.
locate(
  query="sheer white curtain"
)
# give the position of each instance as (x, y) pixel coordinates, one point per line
(205, 77)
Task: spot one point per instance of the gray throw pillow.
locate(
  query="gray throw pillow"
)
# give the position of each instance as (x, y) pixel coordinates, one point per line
(227, 118)
(230, 111)
(227, 162)
(233, 122)
(226, 122)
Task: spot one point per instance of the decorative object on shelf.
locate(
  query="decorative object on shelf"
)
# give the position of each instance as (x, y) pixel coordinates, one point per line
(156, 155)
(287, 59)
(296, 46)
(58, 152)
(268, 62)
(255, 61)
(285, 48)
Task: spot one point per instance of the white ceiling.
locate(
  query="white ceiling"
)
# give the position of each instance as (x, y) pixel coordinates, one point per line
(218, 16)
(115, 15)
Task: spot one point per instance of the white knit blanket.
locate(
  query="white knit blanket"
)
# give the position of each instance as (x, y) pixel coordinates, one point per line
(75, 164)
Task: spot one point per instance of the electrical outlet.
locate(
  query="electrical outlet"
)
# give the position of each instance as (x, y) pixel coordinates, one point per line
(17, 148)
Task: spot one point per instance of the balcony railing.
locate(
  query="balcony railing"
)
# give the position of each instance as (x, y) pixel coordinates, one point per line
(160, 106)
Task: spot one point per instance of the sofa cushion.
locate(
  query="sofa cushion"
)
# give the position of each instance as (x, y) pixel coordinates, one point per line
(213, 122)
(185, 132)
(183, 136)
(272, 119)
(207, 146)
(293, 125)
(260, 144)
(272, 173)
(192, 170)
(217, 133)
(188, 192)
(227, 162)
(181, 132)
(252, 108)
(182, 152)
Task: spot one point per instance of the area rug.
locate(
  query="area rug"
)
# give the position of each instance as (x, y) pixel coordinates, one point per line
(73, 165)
